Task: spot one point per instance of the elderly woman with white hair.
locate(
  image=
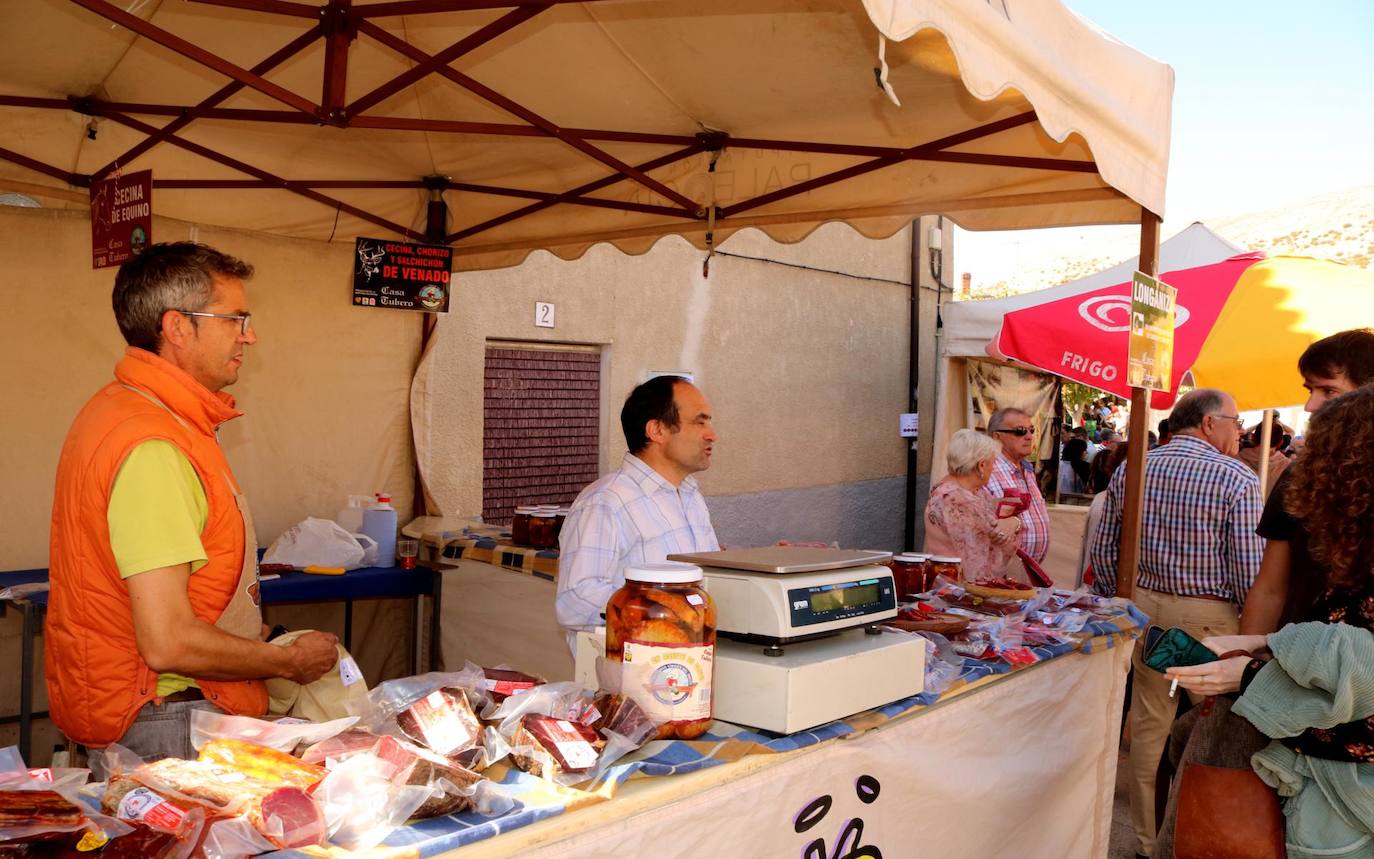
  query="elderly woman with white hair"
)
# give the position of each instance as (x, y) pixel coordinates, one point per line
(961, 519)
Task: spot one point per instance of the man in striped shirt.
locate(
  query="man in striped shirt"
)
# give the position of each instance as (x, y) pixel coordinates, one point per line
(1013, 476)
(649, 508)
(1199, 555)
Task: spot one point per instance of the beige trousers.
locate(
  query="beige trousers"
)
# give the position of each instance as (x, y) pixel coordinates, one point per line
(1152, 710)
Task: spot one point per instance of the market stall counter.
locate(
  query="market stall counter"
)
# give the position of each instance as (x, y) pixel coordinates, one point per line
(1010, 759)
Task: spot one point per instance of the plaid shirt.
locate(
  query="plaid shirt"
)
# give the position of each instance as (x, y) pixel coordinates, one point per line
(631, 516)
(1198, 524)
(1035, 519)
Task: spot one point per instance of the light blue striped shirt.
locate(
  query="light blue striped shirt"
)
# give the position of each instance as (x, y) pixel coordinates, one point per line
(631, 516)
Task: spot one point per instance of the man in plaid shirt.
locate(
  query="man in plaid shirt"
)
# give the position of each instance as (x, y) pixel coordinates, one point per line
(1013, 476)
(1199, 555)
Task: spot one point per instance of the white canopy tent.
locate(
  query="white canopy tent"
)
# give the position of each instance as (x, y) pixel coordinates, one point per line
(560, 124)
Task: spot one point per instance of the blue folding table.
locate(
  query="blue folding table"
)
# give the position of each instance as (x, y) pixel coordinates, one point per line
(292, 587)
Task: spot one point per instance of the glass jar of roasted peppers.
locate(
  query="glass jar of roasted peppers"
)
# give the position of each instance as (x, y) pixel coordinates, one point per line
(661, 631)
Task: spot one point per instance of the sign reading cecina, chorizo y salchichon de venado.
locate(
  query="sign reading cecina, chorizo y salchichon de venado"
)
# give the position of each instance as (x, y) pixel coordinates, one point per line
(402, 275)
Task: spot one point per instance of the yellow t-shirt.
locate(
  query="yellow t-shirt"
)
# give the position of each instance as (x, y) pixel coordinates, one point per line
(156, 515)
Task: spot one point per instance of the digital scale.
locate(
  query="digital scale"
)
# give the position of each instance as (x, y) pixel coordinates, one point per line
(798, 642)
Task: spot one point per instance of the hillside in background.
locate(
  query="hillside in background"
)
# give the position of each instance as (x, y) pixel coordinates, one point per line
(1339, 226)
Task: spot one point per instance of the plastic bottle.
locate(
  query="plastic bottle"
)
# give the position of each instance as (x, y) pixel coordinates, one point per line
(379, 523)
(350, 518)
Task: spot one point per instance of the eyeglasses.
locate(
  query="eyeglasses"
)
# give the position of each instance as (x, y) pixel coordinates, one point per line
(245, 320)
(1239, 423)
(1018, 431)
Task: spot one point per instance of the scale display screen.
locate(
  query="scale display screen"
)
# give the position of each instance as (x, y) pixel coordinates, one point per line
(853, 594)
(840, 601)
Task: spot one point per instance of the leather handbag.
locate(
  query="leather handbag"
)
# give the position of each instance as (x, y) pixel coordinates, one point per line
(1226, 813)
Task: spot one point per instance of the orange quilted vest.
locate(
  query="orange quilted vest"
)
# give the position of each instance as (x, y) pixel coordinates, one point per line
(96, 679)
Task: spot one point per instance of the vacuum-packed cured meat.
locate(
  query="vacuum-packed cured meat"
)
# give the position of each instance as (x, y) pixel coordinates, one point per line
(565, 746)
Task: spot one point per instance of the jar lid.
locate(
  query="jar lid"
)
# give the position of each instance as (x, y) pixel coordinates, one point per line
(945, 559)
(543, 514)
(912, 558)
(524, 510)
(667, 572)
(564, 511)
(546, 507)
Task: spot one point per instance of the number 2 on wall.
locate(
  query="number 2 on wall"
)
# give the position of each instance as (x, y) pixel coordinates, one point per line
(543, 314)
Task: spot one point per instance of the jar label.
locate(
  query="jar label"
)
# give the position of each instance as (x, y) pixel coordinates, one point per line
(672, 682)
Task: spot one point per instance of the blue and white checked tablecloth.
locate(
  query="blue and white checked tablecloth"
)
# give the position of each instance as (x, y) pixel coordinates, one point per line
(724, 743)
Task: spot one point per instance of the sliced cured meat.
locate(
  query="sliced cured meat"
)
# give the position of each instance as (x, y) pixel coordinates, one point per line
(37, 808)
(442, 721)
(288, 817)
(414, 765)
(555, 746)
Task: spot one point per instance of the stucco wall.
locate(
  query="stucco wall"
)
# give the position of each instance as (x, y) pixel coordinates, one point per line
(324, 390)
(806, 370)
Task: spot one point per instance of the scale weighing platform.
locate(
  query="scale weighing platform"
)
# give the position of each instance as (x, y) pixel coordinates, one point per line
(797, 637)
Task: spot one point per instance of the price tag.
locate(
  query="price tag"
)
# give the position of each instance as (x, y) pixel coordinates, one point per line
(348, 671)
(1020, 657)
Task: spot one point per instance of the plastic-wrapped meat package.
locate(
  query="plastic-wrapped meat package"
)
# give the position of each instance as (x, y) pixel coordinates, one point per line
(444, 722)
(501, 683)
(284, 735)
(285, 815)
(621, 715)
(262, 763)
(38, 815)
(362, 805)
(547, 746)
(450, 785)
(144, 808)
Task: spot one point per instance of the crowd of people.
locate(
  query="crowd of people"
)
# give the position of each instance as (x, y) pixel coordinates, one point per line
(1282, 584)
(1277, 579)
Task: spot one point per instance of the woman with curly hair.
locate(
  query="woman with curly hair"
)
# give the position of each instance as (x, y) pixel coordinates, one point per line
(1309, 687)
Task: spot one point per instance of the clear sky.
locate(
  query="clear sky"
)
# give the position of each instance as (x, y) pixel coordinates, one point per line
(1273, 102)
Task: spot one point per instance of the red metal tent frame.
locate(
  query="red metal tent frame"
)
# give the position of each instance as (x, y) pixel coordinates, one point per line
(338, 23)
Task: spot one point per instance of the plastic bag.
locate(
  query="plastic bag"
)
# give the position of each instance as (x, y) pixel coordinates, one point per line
(388, 699)
(234, 839)
(317, 542)
(575, 704)
(944, 665)
(61, 806)
(284, 735)
(449, 787)
(361, 803)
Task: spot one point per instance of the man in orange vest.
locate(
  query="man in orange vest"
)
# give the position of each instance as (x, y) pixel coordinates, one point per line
(154, 608)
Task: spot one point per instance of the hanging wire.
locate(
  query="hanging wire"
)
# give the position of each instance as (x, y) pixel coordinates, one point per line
(710, 214)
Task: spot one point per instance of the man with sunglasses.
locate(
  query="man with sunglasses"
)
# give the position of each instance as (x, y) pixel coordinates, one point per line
(1199, 556)
(154, 610)
(1013, 476)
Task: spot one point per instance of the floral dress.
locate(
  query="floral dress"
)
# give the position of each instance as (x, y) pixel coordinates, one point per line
(964, 523)
(1352, 741)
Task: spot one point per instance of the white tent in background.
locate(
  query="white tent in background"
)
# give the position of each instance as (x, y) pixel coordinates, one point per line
(970, 326)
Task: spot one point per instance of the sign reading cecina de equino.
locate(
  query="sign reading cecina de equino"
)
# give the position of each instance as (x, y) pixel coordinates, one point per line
(402, 275)
(121, 217)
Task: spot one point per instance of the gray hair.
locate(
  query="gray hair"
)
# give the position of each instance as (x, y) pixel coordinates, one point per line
(1192, 407)
(999, 418)
(967, 448)
(176, 276)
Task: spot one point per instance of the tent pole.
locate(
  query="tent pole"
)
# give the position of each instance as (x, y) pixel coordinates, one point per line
(1138, 437)
(1266, 439)
(436, 228)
